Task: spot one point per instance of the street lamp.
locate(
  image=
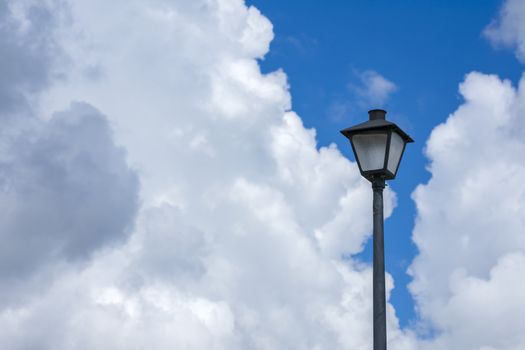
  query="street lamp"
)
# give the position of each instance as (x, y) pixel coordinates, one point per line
(378, 146)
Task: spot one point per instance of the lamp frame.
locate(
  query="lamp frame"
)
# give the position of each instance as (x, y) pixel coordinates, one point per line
(383, 172)
(377, 125)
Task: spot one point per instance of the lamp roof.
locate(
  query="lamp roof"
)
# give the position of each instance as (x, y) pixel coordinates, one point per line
(377, 122)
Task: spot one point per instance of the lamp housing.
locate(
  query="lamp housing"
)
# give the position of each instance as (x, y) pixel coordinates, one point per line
(378, 145)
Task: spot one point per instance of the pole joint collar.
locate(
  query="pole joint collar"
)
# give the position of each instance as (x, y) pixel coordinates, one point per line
(378, 183)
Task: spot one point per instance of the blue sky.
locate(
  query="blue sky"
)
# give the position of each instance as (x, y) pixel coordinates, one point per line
(172, 174)
(425, 47)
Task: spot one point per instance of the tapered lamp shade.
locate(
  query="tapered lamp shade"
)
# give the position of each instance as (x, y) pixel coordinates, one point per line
(370, 149)
(378, 146)
(397, 146)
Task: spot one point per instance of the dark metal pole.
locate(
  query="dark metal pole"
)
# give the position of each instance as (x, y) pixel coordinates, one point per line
(379, 306)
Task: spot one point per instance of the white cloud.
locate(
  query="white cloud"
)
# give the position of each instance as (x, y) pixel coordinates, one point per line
(508, 29)
(374, 89)
(69, 178)
(243, 221)
(469, 229)
(65, 188)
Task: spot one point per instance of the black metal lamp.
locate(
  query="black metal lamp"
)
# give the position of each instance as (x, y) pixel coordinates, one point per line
(378, 145)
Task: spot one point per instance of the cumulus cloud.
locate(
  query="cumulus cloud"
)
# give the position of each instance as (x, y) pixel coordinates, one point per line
(508, 29)
(28, 49)
(65, 188)
(235, 237)
(243, 220)
(469, 228)
(374, 89)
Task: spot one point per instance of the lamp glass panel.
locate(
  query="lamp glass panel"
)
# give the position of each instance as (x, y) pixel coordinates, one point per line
(370, 150)
(396, 148)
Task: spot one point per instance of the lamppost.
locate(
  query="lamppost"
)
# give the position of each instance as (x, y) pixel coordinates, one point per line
(378, 146)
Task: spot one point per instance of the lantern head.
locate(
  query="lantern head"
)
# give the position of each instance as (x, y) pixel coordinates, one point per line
(378, 145)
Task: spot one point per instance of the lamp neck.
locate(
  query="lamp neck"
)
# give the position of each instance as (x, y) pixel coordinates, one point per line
(378, 183)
